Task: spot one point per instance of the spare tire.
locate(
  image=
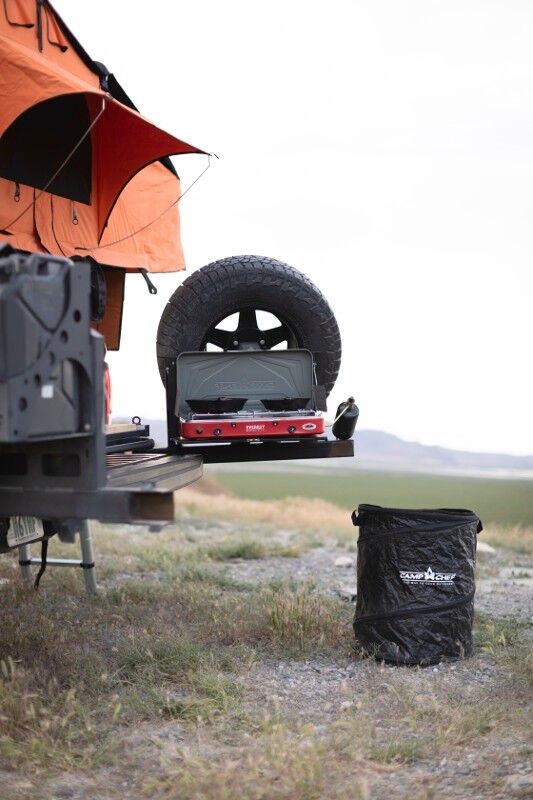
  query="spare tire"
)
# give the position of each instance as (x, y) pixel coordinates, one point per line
(193, 316)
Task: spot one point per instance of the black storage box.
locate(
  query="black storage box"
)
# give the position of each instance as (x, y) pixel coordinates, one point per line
(415, 583)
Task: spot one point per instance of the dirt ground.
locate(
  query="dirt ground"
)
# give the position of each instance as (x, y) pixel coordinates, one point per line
(218, 661)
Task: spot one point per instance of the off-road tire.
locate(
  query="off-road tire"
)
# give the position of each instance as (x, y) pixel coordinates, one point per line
(219, 289)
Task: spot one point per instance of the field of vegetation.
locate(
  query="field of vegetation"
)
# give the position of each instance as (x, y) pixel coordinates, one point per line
(494, 500)
(218, 661)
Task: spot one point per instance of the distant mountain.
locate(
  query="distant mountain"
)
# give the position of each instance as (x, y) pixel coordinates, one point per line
(377, 448)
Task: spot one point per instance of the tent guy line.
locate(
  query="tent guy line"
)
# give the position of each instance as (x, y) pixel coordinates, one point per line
(155, 219)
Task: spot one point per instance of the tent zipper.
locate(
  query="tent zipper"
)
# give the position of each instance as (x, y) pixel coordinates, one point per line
(40, 4)
(415, 612)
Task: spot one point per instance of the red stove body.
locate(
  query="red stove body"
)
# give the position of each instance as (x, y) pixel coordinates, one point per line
(253, 426)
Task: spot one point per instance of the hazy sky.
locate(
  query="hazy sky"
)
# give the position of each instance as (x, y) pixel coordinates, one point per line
(385, 148)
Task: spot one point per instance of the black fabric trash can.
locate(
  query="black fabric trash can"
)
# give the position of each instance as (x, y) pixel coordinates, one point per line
(415, 583)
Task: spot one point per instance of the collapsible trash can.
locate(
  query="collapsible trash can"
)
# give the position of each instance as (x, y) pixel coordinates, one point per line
(415, 583)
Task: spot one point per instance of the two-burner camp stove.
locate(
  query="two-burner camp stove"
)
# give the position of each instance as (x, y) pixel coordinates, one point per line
(246, 398)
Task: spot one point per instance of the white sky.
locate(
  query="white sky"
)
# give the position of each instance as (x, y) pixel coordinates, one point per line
(385, 148)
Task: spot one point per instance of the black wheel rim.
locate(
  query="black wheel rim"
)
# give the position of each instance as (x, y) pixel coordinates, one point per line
(249, 335)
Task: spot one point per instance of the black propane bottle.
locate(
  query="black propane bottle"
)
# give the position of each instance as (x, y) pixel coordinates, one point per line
(345, 420)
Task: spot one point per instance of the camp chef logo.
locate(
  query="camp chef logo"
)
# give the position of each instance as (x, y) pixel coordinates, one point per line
(410, 576)
(243, 385)
(255, 428)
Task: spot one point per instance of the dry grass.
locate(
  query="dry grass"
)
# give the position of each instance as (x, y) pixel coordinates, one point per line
(176, 650)
(247, 549)
(506, 639)
(517, 538)
(493, 634)
(90, 687)
(431, 726)
(301, 619)
(295, 513)
(74, 668)
(351, 757)
(319, 517)
(397, 750)
(47, 721)
(279, 764)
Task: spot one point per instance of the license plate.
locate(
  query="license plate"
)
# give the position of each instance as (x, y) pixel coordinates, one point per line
(23, 530)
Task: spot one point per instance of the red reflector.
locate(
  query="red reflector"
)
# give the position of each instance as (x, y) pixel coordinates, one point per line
(107, 389)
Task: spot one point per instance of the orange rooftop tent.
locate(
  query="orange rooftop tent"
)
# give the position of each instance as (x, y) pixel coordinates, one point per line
(82, 173)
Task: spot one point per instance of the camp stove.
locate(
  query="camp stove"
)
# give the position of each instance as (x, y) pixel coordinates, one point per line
(247, 395)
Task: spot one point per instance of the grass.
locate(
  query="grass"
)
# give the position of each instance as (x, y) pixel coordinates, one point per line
(301, 619)
(307, 517)
(430, 723)
(506, 639)
(187, 568)
(181, 681)
(245, 548)
(39, 724)
(402, 751)
(172, 650)
(496, 501)
(493, 634)
(208, 694)
(280, 763)
(519, 662)
(309, 762)
(140, 651)
(307, 522)
(517, 538)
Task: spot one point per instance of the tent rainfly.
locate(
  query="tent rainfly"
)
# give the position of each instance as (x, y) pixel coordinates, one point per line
(82, 173)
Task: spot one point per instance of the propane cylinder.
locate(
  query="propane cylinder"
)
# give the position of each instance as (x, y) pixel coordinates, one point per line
(345, 420)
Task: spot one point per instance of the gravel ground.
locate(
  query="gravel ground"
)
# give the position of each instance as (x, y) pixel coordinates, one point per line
(506, 591)
(321, 693)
